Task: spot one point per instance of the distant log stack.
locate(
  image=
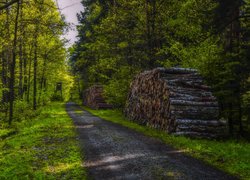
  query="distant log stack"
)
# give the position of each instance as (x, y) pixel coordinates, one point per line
(175, 100)
(93, 98)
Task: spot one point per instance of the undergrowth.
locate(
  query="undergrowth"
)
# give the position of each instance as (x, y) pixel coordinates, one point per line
(44, 147)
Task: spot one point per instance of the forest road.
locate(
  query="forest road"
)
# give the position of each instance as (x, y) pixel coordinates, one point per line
(115, 152)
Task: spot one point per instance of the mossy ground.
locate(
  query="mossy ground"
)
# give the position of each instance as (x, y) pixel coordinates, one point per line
(45, 147)
(229, 155)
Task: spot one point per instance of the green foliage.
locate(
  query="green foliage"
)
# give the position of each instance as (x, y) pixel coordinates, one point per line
(23, 111)
(187, 30)
(120, 38)
(117, 88)
(137, 35)
(229, 155)
(44, 147)
(5, 133)
(56, 97)
(31, 51)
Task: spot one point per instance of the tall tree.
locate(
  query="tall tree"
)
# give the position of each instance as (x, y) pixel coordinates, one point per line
(24, 29)
(13, 65)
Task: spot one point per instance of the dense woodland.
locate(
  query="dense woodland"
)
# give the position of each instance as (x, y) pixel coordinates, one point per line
(118, 39)
(32, 57)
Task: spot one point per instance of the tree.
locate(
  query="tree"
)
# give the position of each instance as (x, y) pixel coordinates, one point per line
(31, 49)
(13, 65)
(120, 38)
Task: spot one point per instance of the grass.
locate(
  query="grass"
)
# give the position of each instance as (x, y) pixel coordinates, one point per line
(229, 155)
(4, 133)
(44, 147)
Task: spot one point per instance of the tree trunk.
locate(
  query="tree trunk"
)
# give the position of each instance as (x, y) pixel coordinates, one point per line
(24, 69)
(13, 66)
(6, 55)
(230, 119)
(4, 78)
(29, 75)
(21, 55)
(35, 73)
(150, 24)
(42, 82)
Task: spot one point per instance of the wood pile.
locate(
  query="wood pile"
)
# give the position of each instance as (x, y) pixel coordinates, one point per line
(175, 100)
(93, 98)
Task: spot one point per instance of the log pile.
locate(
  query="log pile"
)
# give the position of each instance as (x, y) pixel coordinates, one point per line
(175, 100)
(93, 98)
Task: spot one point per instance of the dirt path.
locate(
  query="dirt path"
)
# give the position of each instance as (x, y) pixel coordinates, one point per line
(115, 152)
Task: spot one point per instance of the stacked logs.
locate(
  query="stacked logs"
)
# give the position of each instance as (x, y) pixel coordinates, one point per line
(175, 100)
(93, 98)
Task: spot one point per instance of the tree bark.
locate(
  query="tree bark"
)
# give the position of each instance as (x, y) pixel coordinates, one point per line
(43, 81)
(13, 66)
(29, 76)
(183, 108)
(21, 55)
(35, 73)
(150, 24)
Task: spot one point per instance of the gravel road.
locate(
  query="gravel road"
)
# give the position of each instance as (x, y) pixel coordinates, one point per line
(115, 152)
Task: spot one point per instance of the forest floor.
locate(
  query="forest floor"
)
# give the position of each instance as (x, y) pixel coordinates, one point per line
(42, 147)
(113, 151)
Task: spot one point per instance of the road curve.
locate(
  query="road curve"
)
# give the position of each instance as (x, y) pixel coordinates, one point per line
(115, 152)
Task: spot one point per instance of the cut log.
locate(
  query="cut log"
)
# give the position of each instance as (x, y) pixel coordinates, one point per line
(192, 103)
(215, 123)
(93, 98)
(175, 100)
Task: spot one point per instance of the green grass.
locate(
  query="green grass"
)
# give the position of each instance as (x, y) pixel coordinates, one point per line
(44, 147)
(229, 155)
(4, 133)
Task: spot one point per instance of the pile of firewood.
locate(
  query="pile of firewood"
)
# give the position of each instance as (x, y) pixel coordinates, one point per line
(93, 98)
(175, 100)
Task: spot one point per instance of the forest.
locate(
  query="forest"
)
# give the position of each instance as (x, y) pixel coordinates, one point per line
(32, 57)
(118, 39)
(46, 131)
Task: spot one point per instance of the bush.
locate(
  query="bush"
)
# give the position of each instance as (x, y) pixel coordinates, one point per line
(116, 90)
(56, 97)
(23, 111)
